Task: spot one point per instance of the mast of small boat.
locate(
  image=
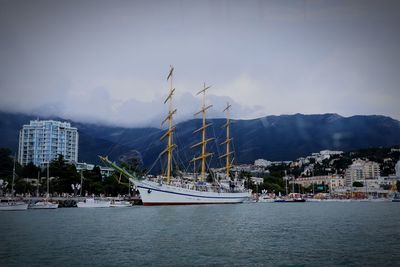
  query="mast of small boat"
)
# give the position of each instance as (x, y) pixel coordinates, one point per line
(37, 184)
(227, 141)
(170, 145)
(286, 183)
(80, 192)
(292, 184)
(13, 178)
(203, 141)
(48, 163)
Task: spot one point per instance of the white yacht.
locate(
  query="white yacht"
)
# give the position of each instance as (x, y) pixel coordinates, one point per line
(44, 205)
(13, 206)
(120, 204)
(94, 203)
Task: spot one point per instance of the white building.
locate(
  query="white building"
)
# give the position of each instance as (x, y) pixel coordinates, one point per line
(257, 180)
(83, 166)
(361, 170)
(42, 141)
(262, 163)
(397, 168)
(330, 152)
(333, 181)
(322, 155)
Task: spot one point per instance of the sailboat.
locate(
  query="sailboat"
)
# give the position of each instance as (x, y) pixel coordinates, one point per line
(12, 204)
(94, 203)
(45, 204)
(168, 190)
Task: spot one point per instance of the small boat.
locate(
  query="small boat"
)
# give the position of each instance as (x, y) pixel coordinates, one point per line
(265, 199)
(44, 205)
(94, 203)
(120, 204)
(291, 198)
(13, 206)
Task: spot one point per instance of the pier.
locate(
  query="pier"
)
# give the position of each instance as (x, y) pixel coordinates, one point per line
(70, 202)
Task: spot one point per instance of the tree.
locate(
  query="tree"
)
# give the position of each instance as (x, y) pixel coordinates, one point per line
(6, 170)
(358, 184)
(271, 187)
(6, 163)
(112, 187)
(342, 164)
(296, 171)
(93, 181)
(30, 171)
(65, 174)
(22, 186)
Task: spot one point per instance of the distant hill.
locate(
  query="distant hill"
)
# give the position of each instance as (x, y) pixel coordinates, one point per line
(284, 137)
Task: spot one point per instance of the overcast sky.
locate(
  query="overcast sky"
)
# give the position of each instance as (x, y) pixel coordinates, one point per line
(107, 61)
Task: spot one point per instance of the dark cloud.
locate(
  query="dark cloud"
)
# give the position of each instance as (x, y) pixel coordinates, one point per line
(100, 60)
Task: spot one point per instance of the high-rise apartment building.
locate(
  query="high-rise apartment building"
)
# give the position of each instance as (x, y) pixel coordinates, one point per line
(42, 141)
(361, 170)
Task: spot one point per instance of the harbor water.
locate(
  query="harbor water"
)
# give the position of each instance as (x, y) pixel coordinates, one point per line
(278, 234)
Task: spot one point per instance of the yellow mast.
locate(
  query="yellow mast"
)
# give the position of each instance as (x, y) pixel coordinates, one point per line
(204, 141)
(227, 141)
(171, 128)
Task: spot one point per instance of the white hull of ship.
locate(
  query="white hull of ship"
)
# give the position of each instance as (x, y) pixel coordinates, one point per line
(120, 204)
(153, 193)
(13, 207)
(44, 205)
(91, 203)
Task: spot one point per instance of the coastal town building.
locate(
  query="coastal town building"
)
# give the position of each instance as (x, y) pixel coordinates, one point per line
(257, 180)
(262, 163)
(266, 163)
(323, 154)
(332, 181)
(361, 170)
(41, 141)
(397, 169)
(83, 166)
(252, 169)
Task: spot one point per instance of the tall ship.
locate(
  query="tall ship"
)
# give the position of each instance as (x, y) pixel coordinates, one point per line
(194, 189)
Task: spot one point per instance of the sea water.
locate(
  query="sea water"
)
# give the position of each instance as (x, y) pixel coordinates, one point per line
(278, 234)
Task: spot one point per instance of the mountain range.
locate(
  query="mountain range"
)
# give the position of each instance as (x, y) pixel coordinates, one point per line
(284, 137)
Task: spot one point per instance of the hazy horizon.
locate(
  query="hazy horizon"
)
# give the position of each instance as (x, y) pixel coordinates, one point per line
(106, 62)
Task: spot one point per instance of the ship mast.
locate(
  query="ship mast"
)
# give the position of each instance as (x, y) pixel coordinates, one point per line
(227, 141)
(203, 141)
(171, 128)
